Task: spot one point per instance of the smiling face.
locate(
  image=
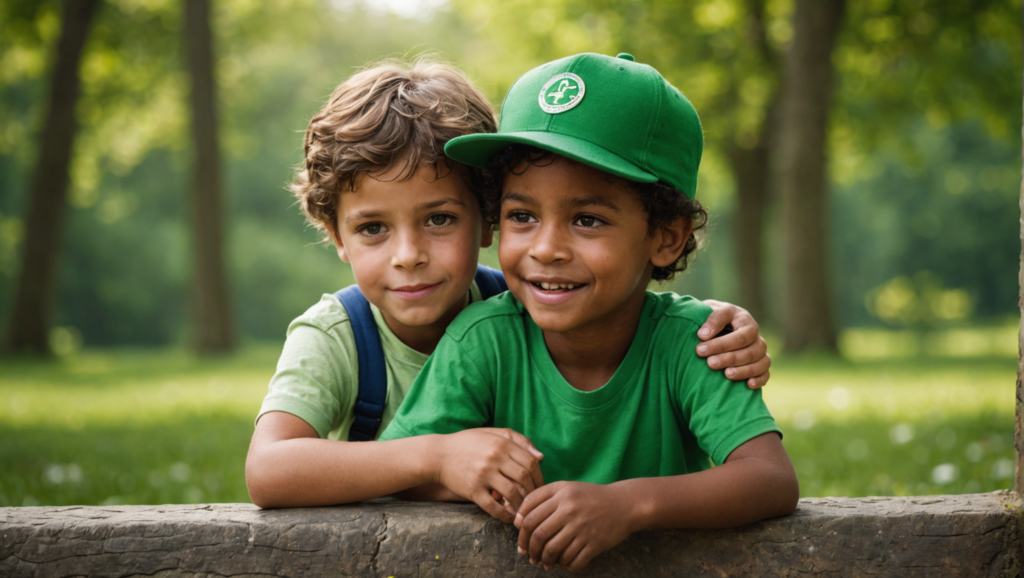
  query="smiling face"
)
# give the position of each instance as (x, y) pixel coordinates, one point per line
(413, 245)
(575, 247)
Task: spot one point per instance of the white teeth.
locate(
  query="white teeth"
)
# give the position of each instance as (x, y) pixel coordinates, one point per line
(551, 286)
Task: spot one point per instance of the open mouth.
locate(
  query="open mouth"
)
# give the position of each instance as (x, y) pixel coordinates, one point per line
(556, 286)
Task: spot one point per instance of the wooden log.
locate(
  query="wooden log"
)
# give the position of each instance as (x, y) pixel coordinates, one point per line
(968, 535)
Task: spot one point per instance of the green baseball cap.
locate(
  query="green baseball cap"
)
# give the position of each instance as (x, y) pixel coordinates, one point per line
(613, 114)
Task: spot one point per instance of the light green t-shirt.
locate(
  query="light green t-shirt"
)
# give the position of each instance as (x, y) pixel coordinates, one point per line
(317, 377)
(663, 413)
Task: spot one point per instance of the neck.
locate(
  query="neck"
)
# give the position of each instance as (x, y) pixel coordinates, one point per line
(588, 356)
(424, 338)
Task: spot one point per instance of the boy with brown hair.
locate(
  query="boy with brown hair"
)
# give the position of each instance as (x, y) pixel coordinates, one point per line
(594, 177)
(375, 180)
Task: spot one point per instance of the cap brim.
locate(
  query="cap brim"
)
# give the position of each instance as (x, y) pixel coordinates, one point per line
(477, 149)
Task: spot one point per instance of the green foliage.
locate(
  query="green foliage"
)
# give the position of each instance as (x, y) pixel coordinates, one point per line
(126, 267)
(161, 426)
(946, 222)
(925, 171)
(948, 60)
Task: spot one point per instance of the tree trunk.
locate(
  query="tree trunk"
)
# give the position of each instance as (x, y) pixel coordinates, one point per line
(806, 99)
(752, 171)
(212, 309)
(36, 287)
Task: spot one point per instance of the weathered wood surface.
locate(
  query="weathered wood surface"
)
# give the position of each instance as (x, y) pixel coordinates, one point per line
(968, 535)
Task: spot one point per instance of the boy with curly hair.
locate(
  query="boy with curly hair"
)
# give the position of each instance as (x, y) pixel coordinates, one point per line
(376, 182)
(594, 172)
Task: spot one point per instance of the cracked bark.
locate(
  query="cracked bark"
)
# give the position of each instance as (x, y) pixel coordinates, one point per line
(969, 535)
(381, 537)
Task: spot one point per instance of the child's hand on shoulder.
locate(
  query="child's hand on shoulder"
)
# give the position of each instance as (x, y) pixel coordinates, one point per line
(493, 467)
(742, 351)
(567, 524)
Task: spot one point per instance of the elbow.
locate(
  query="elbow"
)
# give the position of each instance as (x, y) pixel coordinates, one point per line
(260, 488)
(790, 503)
(789, 493)
(259, 498)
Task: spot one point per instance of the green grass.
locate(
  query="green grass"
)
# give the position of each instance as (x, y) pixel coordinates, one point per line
(129, 427)
(152, 427)
(897, 427)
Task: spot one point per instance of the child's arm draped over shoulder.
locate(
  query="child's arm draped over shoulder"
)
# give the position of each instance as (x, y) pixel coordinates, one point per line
(569, 523)
(742, 352)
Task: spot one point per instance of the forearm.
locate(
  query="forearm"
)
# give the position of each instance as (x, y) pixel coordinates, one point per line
(430, 492)
(318, 472)
(733, 494)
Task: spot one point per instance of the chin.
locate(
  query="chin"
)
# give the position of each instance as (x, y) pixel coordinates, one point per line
(418, 316)
(553, 322)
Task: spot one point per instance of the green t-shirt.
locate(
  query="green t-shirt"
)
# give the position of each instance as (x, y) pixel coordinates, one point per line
(663, 413)
(317, 377)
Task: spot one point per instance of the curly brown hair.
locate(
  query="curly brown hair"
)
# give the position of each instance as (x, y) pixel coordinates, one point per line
(662, 203)
(390, 115)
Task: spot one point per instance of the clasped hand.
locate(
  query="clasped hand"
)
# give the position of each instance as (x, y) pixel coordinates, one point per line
(496, 468)
(565, 523)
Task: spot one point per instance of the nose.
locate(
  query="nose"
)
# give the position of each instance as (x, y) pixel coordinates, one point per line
(550, 245)
(409, 251)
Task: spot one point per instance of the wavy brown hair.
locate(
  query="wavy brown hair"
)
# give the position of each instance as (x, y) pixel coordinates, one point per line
(662, 203)
(390, 115)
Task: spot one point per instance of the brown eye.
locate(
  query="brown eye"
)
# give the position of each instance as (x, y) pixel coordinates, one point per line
(440, 220)
(372, 229)
(521, 217)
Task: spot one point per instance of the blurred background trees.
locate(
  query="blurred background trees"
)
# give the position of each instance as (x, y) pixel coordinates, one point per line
(32, 307)
(213, 314)
(805, 105)
(917, 205)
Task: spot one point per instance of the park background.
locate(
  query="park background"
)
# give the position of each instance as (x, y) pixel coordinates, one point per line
(889, 301)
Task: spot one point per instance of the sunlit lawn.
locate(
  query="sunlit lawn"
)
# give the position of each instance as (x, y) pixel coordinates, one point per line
(163, 427)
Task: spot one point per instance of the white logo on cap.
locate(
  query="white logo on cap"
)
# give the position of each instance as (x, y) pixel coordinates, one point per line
(561, 93)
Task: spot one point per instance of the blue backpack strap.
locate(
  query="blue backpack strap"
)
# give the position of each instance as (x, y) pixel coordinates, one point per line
(373, 374)
(490, 281)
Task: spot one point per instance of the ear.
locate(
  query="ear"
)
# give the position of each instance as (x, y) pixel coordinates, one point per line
(669, 241)
(487, 237)
(336, 238)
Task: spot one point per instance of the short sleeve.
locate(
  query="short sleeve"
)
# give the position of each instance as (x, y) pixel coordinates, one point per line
(317, 374)
(455, 391)
(722, 414)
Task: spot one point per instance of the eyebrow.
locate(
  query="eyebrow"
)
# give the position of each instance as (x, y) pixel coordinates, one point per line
(362, 215)
(593, 200)
(443, 202)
